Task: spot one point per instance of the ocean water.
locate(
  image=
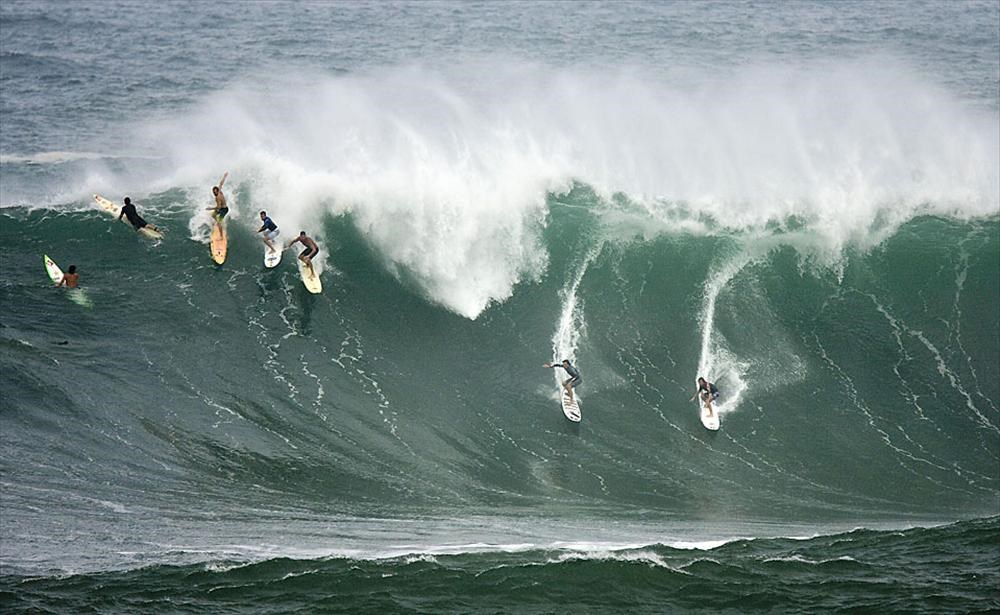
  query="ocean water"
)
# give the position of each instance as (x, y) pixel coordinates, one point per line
(798, 200)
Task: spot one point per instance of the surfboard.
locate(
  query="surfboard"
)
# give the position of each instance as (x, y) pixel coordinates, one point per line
(116, 210)
(271, 257)
(710, 421)
(310, 278)
(571, 408)
(55, 273)
(219, 243)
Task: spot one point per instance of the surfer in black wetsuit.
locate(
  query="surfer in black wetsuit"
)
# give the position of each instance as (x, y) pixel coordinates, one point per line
(709, 393)
(133, 216)
(574, 375)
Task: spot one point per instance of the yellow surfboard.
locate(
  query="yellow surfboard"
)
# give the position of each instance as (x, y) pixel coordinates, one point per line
(310, 278)
(219, 243)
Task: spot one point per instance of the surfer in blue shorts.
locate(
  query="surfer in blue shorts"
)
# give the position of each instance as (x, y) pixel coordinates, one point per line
(574, 375)
(270, 230)
(709, 393)
(133, 217)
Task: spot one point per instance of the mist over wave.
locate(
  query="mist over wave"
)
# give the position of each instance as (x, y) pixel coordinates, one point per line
(446, 172)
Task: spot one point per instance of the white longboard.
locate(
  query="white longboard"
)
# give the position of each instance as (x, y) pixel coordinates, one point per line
(571, 408)
(116, 210)
(310, 278)
(710, 421)
(271, 257)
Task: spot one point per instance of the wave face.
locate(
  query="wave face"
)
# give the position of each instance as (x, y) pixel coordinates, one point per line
(803, 207)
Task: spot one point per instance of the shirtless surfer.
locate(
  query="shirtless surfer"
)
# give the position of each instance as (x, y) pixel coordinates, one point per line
(70, 279)
(309, 253)
(221, 208)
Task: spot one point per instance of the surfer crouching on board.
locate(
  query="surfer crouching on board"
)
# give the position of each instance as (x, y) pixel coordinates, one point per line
(71, 279)
(133, 216)
(221, 208)
(709, 393)
(269, 228)
(309, 253)
(574, 375)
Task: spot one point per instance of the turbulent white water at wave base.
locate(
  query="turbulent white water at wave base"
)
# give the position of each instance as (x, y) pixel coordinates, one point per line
(447, 171)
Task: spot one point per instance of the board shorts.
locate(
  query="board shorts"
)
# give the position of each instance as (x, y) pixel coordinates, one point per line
(221, 213)
(574, 382)
(309, 252)
(271, 234)
(705, 395)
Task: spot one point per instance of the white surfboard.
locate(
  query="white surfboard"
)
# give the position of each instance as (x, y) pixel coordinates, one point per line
(55, 273)
(310, 278)
(710, 421)
(116, 210)
(571, 408)
(271, 257)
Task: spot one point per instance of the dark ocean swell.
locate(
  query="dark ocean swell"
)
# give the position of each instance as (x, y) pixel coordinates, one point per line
(950, 568)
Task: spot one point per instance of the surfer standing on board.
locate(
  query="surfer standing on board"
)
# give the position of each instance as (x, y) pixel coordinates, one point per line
(71, 279)
(134, 218)
(221, 208)
(309, 253)
(709, 393)
(574, 375)
(269, 228)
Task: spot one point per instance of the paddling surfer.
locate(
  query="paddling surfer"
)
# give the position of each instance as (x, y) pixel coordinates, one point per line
(70, 279)
(128, 210)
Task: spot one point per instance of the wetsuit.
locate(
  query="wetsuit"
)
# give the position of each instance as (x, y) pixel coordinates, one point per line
(574, 374)
(133, 216)
(709, 390)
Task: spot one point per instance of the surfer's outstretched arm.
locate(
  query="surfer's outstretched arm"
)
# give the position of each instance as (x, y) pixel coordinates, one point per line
(223, 180)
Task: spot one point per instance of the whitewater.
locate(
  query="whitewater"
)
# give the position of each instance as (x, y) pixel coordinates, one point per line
(801, 203)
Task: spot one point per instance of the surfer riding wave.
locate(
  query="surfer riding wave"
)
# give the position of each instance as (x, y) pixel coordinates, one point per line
(574, 379)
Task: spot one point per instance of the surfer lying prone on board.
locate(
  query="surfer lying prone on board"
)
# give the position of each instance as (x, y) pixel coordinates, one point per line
(709, 393)
(134, 218)
(574, 375)
(70, 279)
(269, 228)
(311, 249)
(221, 207)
